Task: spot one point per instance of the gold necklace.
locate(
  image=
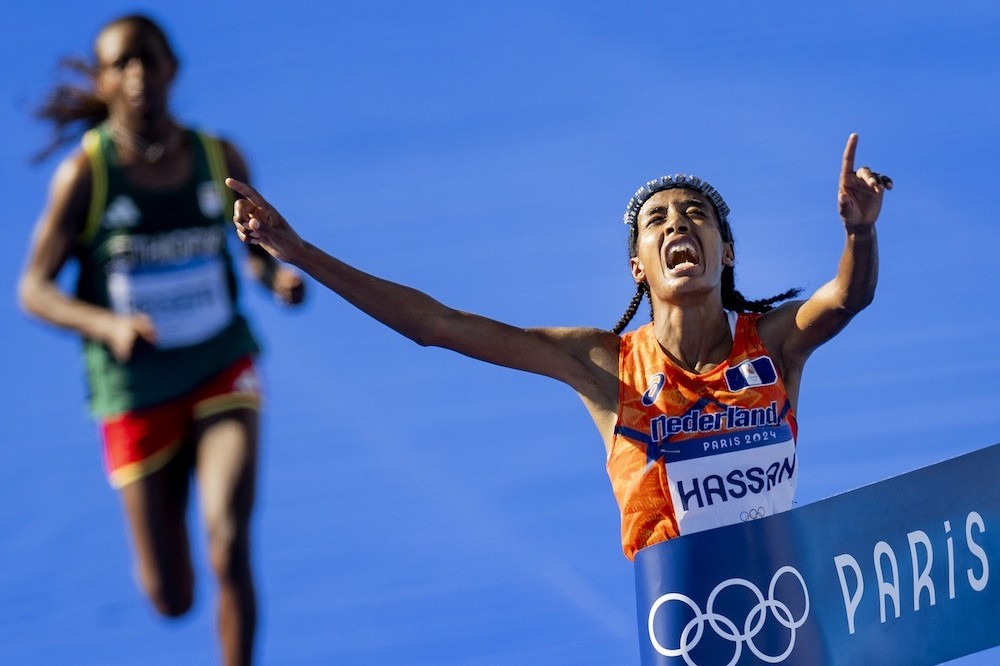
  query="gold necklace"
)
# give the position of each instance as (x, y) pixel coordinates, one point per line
(151, 153)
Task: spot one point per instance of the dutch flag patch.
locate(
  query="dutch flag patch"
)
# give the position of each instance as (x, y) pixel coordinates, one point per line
(750, 373)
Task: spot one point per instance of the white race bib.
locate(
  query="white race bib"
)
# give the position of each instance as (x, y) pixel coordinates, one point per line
(732, 477)
(188, 304)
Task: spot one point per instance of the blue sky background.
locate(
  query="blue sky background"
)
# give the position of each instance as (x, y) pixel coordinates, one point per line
(419, 507)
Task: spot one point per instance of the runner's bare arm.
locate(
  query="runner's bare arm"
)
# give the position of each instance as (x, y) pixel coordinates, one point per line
(795, 329)
(585, 359)
(57, 230)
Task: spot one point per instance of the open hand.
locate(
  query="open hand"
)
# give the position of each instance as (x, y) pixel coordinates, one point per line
(859, 196)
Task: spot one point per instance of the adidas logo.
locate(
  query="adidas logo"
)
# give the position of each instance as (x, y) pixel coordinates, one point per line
(121, 213)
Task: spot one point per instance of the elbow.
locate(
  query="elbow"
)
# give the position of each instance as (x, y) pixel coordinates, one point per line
(436, 330)
(27, 295)
(34, 295)
(427, 335)
(856, 302)
(420, 338)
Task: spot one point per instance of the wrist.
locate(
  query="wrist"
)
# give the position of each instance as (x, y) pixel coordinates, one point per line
(105, 325)
(302, 254)
(859, 231)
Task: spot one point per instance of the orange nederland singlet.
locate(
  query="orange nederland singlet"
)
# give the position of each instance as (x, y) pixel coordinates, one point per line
(692, 452)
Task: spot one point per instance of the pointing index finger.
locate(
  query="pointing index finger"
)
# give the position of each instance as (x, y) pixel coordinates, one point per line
(847, 169)
(247, 192)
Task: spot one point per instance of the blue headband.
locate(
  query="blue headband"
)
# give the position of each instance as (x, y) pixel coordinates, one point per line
(679, 180)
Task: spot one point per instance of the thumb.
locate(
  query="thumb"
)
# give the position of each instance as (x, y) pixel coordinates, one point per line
(144, 327)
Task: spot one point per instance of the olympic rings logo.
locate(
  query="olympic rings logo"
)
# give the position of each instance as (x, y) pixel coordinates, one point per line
(726, 628)
(752, 514)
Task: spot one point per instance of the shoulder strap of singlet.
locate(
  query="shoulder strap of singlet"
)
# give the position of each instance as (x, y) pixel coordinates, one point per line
(733, 317)
(217, 165)
(92, 146)
(98, 184)
(746, 332)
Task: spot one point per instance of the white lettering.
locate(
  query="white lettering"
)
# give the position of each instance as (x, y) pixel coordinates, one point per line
(922, 580)
(951, 561)
(978, 584)
(850, 602)
(891, 589)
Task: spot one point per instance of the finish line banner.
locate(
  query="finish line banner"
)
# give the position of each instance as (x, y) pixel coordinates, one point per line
(905, 571)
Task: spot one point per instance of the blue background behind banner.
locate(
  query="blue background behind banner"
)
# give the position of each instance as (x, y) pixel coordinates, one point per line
(735, 595)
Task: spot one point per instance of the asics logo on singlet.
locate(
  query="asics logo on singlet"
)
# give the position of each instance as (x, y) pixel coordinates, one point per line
(655, 386)
(728, 418)
(122, 212)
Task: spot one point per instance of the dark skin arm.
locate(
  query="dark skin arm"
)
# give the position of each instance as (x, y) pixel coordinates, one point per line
(585, 359)
(60, 223)
(794, 330)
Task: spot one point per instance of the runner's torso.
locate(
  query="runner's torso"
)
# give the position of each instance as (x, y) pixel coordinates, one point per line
(164, 253)
(692, 452)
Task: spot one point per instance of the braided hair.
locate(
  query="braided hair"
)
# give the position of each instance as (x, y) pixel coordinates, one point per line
(633, 307)
(732, 299)
(73, 108)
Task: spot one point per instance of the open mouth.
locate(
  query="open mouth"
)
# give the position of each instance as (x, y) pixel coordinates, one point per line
(682, 253)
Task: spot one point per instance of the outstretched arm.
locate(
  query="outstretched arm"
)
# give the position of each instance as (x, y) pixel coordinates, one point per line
(586, 359)
(798, 328)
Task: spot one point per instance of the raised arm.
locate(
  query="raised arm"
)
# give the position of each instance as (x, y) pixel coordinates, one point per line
(585, 359)
(796, 329)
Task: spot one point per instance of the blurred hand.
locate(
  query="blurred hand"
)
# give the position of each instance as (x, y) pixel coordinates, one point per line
(287, 286)
(129, 333)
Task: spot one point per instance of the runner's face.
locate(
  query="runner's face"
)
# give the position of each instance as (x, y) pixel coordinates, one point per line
(679, 249)
(134, 74)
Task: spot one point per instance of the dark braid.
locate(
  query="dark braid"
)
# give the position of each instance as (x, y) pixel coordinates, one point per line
(733, 300)
(632, 308)
(73, 108)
